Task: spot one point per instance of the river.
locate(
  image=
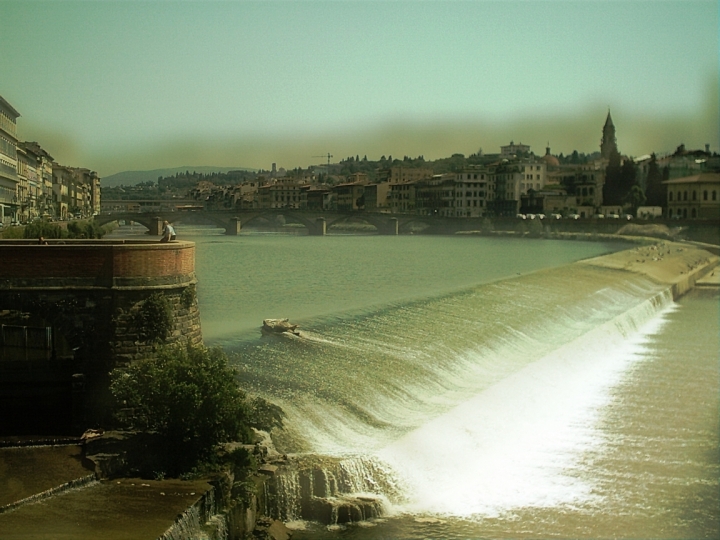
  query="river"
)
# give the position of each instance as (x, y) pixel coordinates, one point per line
(478, 387)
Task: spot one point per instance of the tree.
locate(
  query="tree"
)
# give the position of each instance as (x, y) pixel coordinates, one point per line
(635, 198)
(619, 179)
(188, 396)
(654, 189)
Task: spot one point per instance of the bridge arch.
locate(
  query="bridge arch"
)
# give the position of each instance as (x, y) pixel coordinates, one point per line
(405, 225)
(370, 220)
(272, 215)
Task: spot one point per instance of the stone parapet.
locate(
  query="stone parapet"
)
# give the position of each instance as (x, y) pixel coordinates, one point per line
(84, 263)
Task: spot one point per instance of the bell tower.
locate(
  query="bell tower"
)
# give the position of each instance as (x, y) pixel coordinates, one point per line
(608, 144)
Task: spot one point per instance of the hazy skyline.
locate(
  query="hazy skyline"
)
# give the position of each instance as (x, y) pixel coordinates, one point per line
(117, 86)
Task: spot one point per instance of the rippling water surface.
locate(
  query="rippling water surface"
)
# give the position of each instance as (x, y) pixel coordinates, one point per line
(503, 391)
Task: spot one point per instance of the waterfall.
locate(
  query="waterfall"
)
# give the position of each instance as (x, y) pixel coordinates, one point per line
(199, 522)
(78, 483)
(330, 490)
(515, 442)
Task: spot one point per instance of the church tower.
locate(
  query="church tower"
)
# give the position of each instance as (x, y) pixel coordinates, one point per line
(608, 144)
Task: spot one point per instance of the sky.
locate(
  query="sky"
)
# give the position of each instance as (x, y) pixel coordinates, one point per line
(116, 86)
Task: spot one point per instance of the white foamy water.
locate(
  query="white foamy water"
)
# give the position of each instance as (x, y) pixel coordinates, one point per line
(518, 443)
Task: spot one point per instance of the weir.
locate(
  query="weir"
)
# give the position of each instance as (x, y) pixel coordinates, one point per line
(482, 402)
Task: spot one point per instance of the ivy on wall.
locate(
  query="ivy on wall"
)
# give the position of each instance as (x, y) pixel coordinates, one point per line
(154, 319)
(187, 298)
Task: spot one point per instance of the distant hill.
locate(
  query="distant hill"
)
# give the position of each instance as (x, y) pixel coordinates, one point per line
(132, 178)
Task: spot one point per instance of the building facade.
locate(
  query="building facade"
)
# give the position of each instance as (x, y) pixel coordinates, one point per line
(694, 197)
(512, 149)
(8, 162)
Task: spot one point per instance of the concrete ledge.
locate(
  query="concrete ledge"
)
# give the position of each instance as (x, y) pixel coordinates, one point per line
(678, 265)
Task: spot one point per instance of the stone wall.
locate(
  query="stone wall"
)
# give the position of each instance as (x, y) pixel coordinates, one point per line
(89, 293)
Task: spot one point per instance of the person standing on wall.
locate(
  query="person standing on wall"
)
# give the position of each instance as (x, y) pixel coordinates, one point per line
(168, 232)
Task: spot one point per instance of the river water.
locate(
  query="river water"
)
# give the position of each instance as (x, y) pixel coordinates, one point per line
(481, 388)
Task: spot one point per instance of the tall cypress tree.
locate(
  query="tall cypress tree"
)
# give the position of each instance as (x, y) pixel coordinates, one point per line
(611, 190)
(619, 179)
(655, 191)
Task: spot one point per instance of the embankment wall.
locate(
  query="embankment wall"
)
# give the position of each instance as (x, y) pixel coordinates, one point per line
(84, 297)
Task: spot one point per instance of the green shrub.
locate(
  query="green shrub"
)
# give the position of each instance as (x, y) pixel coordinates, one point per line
(188, 396)
(85, 229)
(187, 298)
(36, 229)
(12, 232)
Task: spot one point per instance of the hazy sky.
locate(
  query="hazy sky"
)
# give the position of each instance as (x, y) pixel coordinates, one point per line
(126, 85)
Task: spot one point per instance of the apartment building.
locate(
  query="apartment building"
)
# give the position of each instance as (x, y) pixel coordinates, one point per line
(376, 197)
(582, 183)
(402, 175)
(472, 192)
(349, 196)
(285, 193)
(8, 161)
(435, 197)
(245, 195)
(318, 197)
(402, 196)
(42, 162)
(62, 179)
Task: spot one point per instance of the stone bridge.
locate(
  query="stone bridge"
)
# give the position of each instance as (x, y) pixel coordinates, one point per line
(316, 222)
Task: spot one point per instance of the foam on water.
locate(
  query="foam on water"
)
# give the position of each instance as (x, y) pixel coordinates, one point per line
(518, 443)
(374, 384)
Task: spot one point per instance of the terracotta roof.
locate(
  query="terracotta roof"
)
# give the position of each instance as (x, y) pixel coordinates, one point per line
(705, 178)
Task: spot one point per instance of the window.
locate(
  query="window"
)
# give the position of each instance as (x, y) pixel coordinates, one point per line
(670, 195)
(685, 196)
(694, 196)
(705, 195)
(714, 195)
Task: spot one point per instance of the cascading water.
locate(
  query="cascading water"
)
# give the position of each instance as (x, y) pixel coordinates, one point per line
(201, 521)
(470, 403)
(329, 490)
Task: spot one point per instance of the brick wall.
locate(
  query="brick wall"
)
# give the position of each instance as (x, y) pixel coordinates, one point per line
(96, 260)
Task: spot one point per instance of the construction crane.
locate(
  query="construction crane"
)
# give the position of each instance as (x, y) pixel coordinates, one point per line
(328, 156)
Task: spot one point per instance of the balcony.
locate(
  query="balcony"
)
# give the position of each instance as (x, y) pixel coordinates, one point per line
(8, 172)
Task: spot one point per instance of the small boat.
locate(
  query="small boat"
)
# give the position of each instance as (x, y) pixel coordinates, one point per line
(278, 326)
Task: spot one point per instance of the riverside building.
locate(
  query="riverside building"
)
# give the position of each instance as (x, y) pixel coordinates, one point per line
(32, 185)
(8, 161)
